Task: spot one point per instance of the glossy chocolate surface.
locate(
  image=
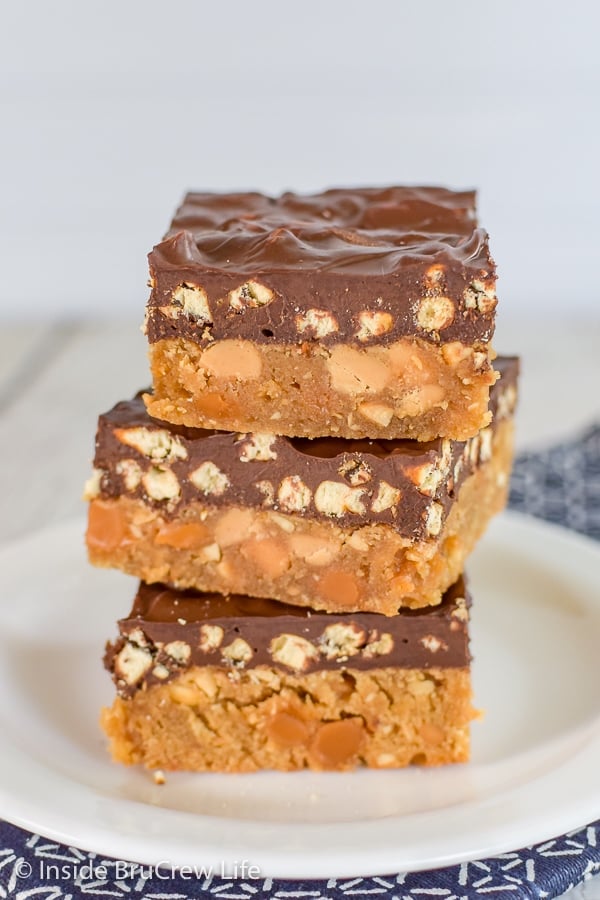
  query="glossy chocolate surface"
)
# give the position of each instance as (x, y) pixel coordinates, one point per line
(343, 250)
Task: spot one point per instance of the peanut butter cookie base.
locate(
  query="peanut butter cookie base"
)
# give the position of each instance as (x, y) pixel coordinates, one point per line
(410, 388)
(211, 719)
(295, 559)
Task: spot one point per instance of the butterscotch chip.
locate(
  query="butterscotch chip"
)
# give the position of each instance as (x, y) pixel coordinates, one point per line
(237, 360)
(232, 527)
(268, 555)
(339, 590)
(314, 550)
(186, 536)
(337, 744)
(356, 372)
(287, 730)
(107, 526)
(217, 406)
(432, 734)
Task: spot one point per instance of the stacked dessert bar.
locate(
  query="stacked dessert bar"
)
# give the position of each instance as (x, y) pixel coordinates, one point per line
(327, 436)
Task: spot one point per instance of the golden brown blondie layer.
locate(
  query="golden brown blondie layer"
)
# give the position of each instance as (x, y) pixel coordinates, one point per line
(408, 389)
(221, 720)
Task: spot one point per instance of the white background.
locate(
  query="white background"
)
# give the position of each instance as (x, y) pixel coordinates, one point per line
(111, 109)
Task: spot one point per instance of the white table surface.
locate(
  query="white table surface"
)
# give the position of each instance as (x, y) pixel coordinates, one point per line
(56, 378)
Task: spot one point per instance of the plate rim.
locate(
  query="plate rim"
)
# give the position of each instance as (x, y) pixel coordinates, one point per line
(315, 858)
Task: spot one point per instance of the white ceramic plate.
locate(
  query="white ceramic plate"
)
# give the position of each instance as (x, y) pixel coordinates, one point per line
(534, 774)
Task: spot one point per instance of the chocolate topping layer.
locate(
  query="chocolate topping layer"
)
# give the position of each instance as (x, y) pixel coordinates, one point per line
(168, 631)
(356, 482)
(263, 263)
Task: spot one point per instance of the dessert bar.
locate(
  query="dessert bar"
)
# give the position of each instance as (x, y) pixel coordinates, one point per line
(356, 313)
(328, 523)
(236, 684)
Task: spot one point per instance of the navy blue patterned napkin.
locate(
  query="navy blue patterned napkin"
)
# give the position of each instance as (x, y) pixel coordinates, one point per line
(562, 485)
